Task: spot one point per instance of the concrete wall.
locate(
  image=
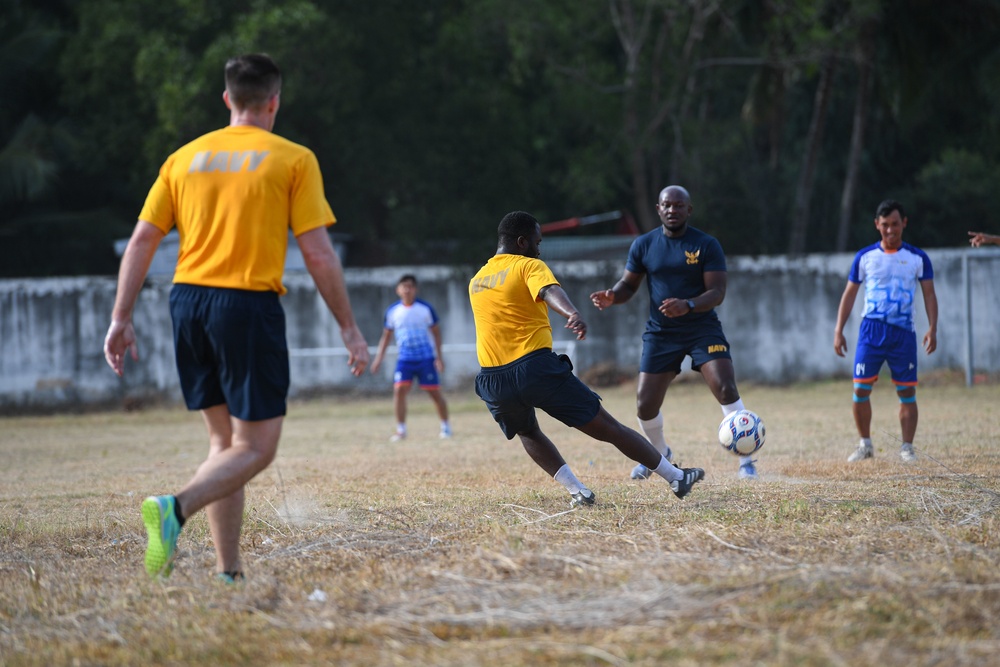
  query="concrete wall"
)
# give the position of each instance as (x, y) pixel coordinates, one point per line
(779, 315)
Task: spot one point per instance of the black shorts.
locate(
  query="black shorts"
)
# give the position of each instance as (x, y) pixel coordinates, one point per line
(663, 352)
(230, 348)
(540, 380)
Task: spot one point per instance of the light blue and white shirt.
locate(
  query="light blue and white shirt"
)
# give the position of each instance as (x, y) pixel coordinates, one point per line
(411, 327)
(891, 280)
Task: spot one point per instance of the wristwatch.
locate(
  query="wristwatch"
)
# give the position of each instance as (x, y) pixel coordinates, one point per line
(690, 304)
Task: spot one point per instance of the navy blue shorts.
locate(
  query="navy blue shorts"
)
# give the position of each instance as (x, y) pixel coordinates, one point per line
(880, 343)
(421, 369)
(230, 349)
(540, 380)
(663, 352)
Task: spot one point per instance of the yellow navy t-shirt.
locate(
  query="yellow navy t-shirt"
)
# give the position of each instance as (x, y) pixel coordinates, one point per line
(233, 194)
(511, 321)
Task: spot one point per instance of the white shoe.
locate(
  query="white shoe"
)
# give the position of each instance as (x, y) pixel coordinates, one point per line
(748, 471)
(396, 437)
(445, 432)
(640, 472)
(862, 452)
(906, 453)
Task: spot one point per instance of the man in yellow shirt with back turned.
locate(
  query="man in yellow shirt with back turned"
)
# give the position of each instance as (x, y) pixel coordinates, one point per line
(233, 194)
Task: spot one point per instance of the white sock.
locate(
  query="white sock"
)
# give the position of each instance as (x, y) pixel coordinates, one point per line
(732, 407)
(566, 477)
(653, 428)
(401, 429)
(668, 470)
(445, 426)
(866, 442)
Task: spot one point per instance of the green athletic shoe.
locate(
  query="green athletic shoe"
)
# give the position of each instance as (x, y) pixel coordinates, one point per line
(160, 518)
(230, 578)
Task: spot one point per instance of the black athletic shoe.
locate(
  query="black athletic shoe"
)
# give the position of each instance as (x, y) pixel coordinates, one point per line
(583, 498)
(684, 485)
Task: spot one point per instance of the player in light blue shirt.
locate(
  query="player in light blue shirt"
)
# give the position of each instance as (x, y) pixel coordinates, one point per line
(418, 339)
(890, 270)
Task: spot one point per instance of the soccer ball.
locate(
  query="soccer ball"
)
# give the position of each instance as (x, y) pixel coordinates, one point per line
(742, 433)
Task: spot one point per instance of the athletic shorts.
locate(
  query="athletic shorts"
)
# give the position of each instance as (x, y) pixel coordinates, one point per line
(879, 342)
(542, 380)
(663, 352)
(230, 349)
(421, 369)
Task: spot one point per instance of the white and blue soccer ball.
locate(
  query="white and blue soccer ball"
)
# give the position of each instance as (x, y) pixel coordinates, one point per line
(742, 433)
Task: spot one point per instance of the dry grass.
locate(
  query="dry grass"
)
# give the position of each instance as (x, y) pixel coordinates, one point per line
(462, 552)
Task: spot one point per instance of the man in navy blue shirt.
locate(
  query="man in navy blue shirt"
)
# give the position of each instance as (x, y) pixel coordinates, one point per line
(686, 271)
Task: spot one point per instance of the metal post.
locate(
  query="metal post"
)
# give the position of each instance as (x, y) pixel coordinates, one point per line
(967, 280)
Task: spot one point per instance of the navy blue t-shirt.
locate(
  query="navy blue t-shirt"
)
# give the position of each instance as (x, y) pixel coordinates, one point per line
(675, 268)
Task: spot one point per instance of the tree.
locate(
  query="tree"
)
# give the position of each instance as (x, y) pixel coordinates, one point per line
(28, 140)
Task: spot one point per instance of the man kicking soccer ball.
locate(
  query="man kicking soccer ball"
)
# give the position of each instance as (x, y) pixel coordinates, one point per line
(511, 296)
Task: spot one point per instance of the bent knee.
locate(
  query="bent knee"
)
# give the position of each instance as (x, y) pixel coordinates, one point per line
(728, 395)
(906, 393)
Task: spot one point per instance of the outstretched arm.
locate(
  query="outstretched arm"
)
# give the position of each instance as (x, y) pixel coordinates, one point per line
(135, 265)
(931, 306)
(557, 299)
(324, 266)
(843, 312)
(977, 239)
(623, 290)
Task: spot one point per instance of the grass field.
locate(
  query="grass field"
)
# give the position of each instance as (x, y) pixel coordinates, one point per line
(462, 552)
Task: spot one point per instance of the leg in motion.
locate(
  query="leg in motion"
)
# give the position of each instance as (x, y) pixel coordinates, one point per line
(606, 428)
(544, 453)
(720, 375)
(651, 391)
(218, 484)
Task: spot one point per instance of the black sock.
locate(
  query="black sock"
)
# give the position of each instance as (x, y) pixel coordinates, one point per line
(178, 513)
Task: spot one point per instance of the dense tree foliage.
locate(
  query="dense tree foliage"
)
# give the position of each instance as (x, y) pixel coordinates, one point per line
(788, 120)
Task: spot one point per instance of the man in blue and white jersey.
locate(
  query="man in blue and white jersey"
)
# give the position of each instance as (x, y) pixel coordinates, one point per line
(890, 271)
(418, 339)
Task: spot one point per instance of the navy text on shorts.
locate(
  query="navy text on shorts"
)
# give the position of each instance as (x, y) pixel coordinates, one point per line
(663, 351)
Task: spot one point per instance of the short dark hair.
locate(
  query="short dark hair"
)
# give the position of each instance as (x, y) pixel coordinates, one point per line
(251, 80)
(408, 278)
(887, 207)
(515, 224)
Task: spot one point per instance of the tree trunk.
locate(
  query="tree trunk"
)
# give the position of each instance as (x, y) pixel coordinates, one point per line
(857, 142)
(814, 141)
